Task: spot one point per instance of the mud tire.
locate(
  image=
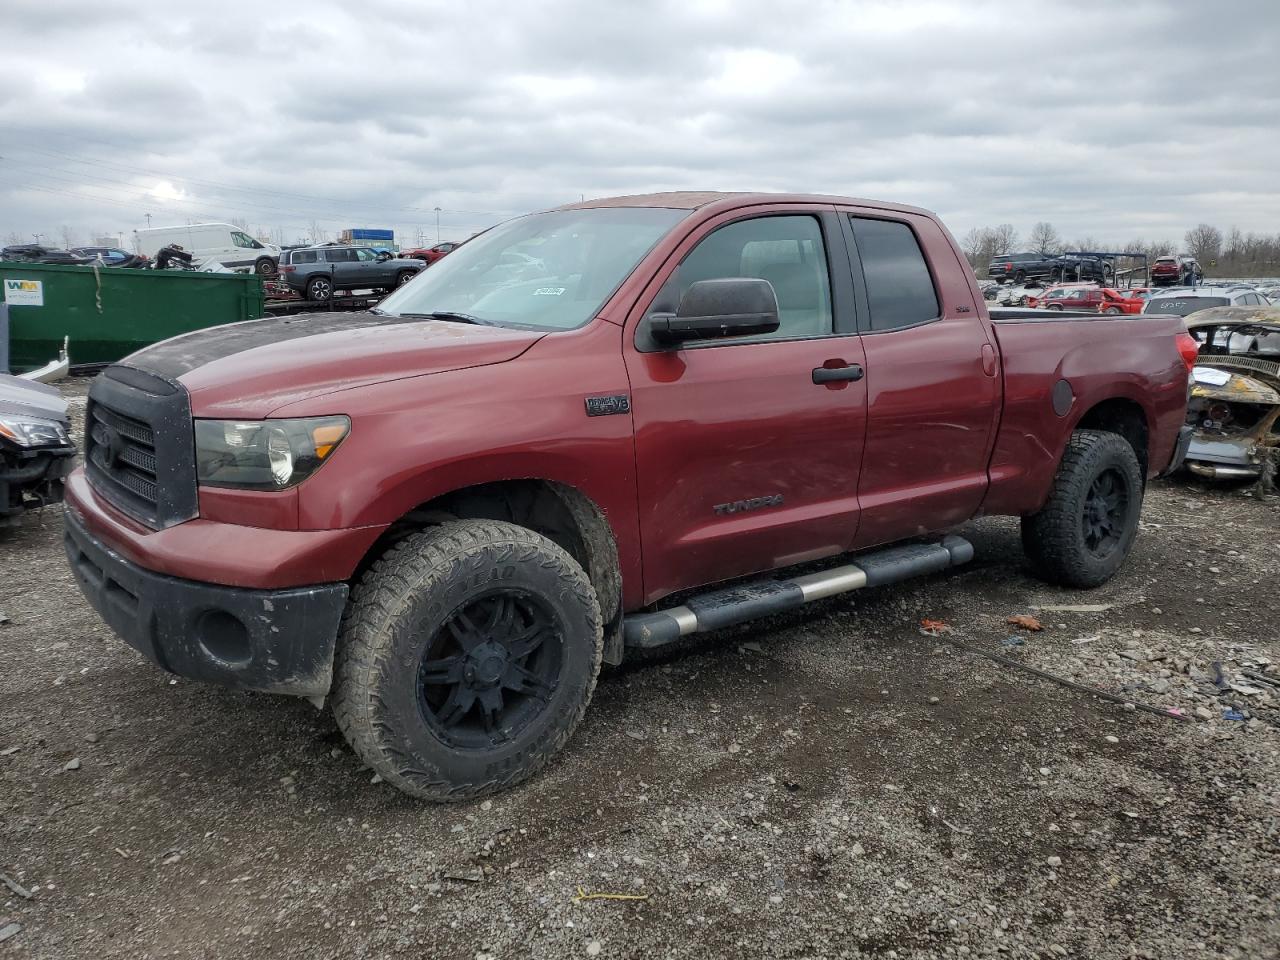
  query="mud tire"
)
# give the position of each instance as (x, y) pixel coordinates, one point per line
(1054, 539)
(403, 601)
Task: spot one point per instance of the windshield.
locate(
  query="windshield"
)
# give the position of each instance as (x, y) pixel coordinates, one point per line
(1181, 306)
(549, 271)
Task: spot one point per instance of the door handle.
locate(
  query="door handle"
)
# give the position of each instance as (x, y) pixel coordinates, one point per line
(831, 374)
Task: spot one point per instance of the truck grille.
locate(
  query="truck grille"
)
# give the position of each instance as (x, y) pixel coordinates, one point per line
(139, 452)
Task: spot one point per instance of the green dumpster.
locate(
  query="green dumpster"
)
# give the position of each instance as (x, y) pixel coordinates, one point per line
(109, 312)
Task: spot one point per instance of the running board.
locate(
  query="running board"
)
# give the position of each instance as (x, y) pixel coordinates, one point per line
(723, 608)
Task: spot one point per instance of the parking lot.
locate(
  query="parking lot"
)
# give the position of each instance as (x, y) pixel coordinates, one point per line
(827, 784)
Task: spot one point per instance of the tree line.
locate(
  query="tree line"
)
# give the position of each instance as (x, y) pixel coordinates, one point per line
(1233, 254)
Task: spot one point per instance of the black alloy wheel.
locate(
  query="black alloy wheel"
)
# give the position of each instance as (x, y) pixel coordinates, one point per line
(490, 670)
(1106, 513)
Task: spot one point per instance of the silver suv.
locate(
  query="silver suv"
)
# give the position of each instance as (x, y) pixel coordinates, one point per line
(319, 272)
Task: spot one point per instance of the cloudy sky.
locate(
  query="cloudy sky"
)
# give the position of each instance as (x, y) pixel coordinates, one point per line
(1113, 121)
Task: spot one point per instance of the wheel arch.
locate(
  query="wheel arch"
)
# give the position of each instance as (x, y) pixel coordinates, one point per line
(560, 512)
(1123, 416)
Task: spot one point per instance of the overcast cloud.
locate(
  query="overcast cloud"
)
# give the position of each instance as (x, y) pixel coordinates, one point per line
(1112, 121)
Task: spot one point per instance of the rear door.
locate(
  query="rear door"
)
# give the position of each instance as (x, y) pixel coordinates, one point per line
(746, 459)
(345, 267)
(932, 379)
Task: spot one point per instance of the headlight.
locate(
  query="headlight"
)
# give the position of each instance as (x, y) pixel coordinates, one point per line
(33, 431)
(264, 454)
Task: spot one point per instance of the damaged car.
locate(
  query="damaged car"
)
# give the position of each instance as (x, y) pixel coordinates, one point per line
(1234, 409)
(36, 449)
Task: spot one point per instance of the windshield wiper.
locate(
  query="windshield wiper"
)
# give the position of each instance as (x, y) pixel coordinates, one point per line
(450, 315)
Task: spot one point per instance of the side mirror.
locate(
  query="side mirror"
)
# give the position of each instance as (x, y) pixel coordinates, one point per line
(384, 257)
(728, 307)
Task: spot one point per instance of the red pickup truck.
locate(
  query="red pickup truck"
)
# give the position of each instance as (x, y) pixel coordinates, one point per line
(443, 515)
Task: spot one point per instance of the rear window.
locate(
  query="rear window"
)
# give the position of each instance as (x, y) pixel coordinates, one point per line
(1183, 306)
(899, 288)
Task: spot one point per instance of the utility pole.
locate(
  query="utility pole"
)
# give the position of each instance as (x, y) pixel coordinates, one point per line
(148, 216)
(437, 224)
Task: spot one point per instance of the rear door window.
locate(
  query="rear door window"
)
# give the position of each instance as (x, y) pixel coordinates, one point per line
(900, 291)
(304, 256)
(339, 256)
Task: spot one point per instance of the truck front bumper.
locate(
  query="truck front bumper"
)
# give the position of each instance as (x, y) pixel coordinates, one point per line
(276, 640)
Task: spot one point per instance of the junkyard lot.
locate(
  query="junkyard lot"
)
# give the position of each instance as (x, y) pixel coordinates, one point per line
(787, 790)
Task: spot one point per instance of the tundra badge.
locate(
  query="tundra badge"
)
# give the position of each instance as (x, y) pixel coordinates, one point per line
(755, 503)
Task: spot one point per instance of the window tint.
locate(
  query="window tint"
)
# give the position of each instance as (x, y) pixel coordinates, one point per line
(899, 289)
(304, 256)
(786, 251)
(339, 256)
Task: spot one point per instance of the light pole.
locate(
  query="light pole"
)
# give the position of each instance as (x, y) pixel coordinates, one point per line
(437, 224)
(148, 216)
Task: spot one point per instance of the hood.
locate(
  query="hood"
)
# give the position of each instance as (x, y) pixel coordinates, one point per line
(1233, 317)
(253, 368)
(31, 398)
(1221, 383)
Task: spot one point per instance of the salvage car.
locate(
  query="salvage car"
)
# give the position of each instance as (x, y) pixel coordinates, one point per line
(1184, 301)
(431, 254)
(1172, 271)
(444, 515)
(36, 450)
(318, 273)
(113, 257)
(1235, 396)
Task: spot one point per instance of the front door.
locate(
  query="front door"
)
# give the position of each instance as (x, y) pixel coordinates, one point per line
(744, 462)
(932, 376)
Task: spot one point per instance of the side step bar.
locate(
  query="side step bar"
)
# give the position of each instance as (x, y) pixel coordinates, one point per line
(723, 608)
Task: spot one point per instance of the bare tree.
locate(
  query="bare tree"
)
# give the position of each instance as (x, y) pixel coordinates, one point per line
(241, 223)
(974, 244)
(1204, 242)
(1045, 239)
(1003, 239)
(14, 237)
(68, 237)
(317, 234)
(981, 244)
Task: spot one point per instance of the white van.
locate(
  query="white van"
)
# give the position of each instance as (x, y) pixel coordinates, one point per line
(221, 242)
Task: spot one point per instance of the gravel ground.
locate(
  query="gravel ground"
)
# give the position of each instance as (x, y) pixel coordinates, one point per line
(821, 785)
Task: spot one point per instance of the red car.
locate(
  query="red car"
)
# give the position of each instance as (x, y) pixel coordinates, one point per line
(431, 254)
(1065, 296)
(1121, 301)
(1174, 271)
(689, 410)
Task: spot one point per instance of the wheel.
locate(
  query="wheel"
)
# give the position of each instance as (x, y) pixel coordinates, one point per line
(1020, 276)
(404, 276)
(1053, 306)
(265, 267)
(1055, 276)
(467, 657)
(1111, 310)
(319, 288)
(1084, 532)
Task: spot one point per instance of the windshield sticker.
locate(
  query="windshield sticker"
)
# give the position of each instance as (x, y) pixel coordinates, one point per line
(549, 291)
